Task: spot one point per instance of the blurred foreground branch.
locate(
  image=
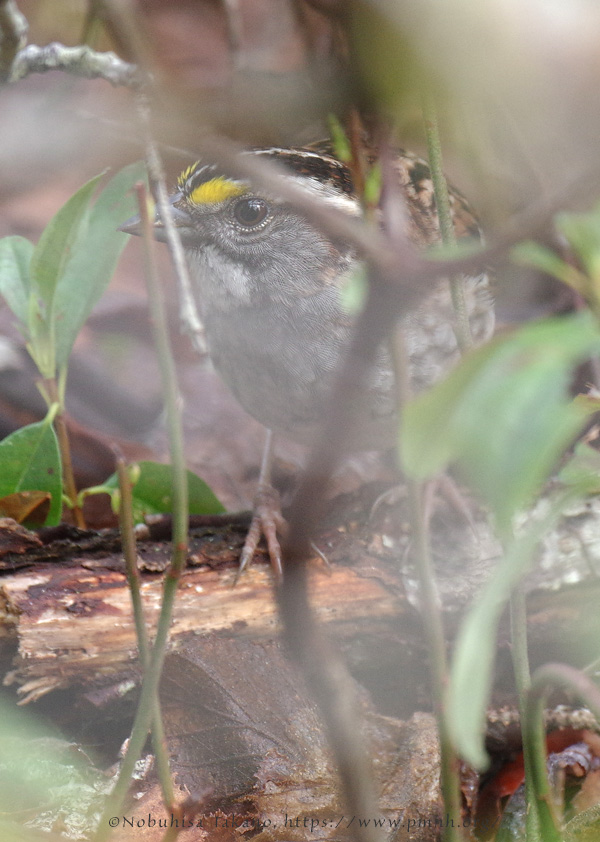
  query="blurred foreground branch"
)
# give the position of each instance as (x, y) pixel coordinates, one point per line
(79, 61)
(13, 35)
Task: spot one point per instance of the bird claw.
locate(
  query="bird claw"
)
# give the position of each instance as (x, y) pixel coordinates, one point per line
(267, 521)
(444, 485)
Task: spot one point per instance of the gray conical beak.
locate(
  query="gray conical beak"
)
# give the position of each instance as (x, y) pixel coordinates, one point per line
(180, 218)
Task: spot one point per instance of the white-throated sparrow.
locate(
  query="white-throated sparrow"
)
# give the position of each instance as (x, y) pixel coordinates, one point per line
(269, 289)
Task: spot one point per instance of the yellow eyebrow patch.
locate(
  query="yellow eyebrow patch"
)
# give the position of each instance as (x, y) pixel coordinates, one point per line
(216, 190)
(186, 174)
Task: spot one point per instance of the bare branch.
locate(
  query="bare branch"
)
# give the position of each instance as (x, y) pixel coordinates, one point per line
(80, 61)
(188, 311)
(123, 19)
(13, 35)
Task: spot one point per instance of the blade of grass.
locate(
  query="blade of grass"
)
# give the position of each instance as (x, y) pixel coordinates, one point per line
(444, 210)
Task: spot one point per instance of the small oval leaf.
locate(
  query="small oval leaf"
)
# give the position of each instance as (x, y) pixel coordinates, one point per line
(152, 493)
(15, 258)
(30, 461)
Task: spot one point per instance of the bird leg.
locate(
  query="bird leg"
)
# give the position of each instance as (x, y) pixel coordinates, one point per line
(267, 519)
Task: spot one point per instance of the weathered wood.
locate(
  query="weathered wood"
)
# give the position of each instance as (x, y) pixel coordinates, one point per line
(74, 626)
(242, 730)
(72, 620)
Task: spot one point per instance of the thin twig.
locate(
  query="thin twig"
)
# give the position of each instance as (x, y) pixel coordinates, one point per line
(62, 434)
(125, 22)
(324, 673)
(146, 704)
(235, 30)
(543, 681)
(79, 61)
(520, 659)
(13, 35)
(431, 615)
(128, 542)
(335, 693)
(123, 18)
(188, 312)
(394, 221)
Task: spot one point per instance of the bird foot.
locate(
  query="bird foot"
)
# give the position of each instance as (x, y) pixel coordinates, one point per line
(390, 497)
(267, 521)
(447, 487)
(443, 485)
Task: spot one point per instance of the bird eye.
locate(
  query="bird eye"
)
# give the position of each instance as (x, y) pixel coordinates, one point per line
(250, 212)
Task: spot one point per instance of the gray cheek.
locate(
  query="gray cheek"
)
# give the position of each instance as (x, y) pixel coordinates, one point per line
(220, 283)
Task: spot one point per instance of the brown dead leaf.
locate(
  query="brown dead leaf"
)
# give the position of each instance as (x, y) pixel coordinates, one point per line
(29, 507)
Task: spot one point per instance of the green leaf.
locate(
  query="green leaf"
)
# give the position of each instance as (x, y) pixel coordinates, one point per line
(15, 258)
(583, 469)
(503, 414)
(22, 735)
(48, 263)
(534, 254)
(56, 244)
(474, 653)
(45, 781)
(582, 231)
(373, 185)
(94, 256)
(152, 492)
(585, 827)
(30, 461)
(339, 139)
